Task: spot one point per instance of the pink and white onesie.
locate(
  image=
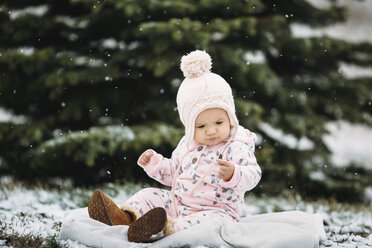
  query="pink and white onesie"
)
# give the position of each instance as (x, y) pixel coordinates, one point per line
(197, 192)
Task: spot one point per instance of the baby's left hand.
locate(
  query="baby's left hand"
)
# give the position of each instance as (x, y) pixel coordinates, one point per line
(226, 169)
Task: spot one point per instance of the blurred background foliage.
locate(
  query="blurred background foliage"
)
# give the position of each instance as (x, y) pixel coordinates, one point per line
(95, 84)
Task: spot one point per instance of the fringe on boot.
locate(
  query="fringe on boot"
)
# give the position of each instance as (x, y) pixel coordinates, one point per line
(103, 209)
(152, 226)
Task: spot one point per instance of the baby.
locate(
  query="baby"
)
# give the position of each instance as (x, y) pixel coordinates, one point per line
(209, 171)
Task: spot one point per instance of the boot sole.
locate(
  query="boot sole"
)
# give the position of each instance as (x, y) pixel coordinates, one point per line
(148, 228)
(97, 209)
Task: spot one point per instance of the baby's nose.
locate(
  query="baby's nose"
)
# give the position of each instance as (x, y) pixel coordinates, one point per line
(211, 131)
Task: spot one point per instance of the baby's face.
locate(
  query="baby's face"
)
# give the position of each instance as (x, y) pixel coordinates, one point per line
(212, 126)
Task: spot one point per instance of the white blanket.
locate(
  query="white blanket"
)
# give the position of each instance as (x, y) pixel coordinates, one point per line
(274, 230)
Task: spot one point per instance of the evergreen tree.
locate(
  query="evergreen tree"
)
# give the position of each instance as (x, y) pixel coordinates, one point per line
(96, 83)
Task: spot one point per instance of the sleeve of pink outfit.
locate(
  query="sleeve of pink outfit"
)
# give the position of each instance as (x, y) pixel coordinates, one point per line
(162, 169)
(247, 172)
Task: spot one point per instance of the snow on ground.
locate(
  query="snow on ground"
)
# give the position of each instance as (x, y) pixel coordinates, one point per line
(39, 212)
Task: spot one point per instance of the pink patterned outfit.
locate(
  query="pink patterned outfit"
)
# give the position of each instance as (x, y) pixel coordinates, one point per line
(197, 192)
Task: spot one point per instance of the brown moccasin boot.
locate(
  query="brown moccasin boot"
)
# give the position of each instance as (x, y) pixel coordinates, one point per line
(104, 210)
(150, 227)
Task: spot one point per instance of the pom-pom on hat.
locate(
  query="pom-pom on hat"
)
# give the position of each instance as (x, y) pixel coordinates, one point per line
(200, 90)
(196, 64)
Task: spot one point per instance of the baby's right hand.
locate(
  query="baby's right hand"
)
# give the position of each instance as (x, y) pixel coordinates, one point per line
(145, 157)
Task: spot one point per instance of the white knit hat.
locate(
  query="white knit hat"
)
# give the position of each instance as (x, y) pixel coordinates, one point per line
(201, 90)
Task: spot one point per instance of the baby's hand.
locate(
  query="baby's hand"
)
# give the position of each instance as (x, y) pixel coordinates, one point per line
(145, 157)
(226, 169)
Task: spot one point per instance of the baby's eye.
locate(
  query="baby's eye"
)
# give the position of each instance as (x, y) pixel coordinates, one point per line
(219, 122)
(201, 126)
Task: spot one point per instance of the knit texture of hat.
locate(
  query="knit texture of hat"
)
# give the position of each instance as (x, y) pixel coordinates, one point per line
(200, 90)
